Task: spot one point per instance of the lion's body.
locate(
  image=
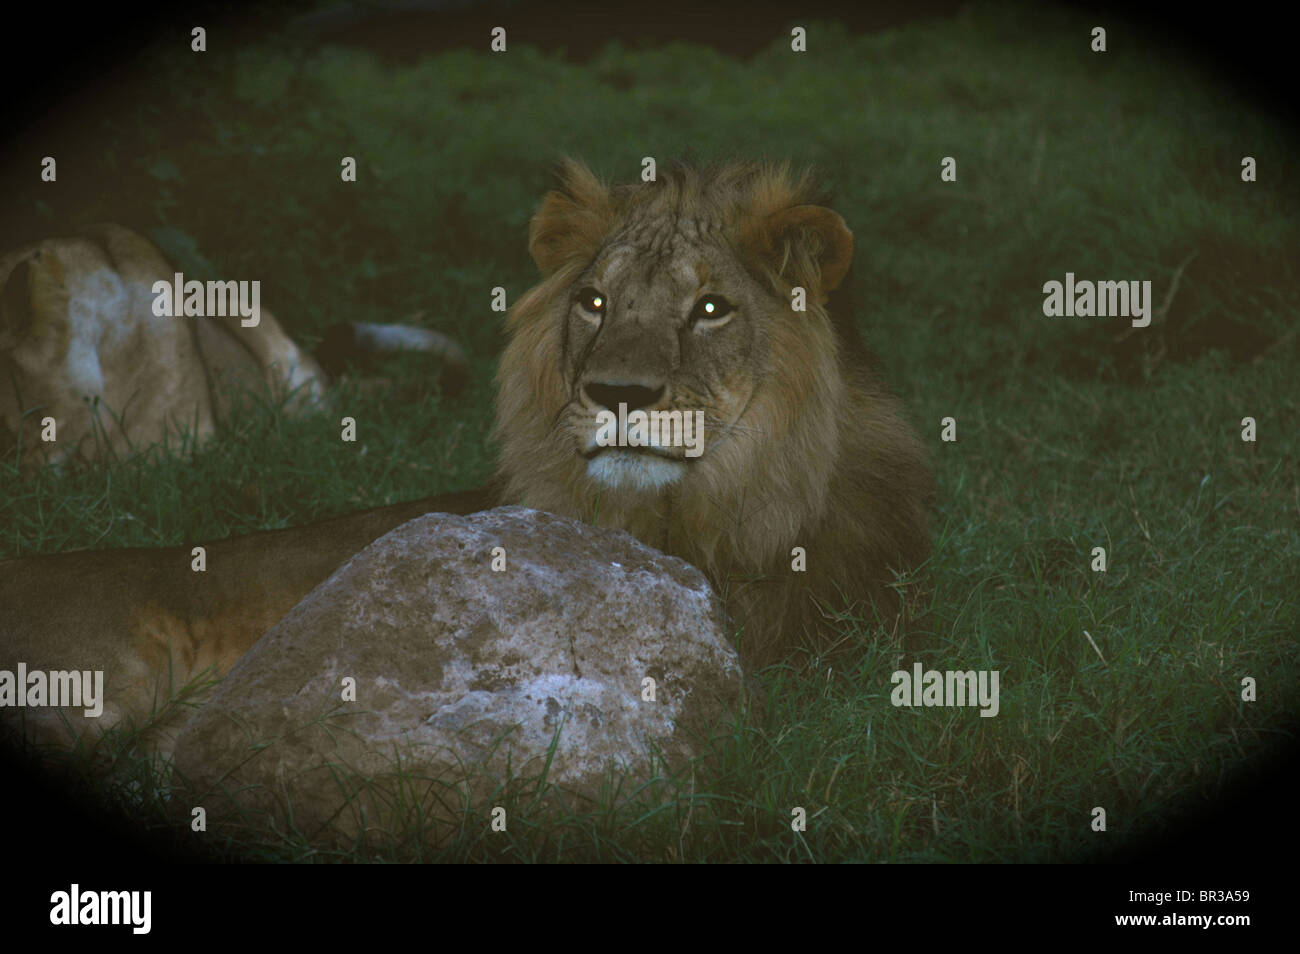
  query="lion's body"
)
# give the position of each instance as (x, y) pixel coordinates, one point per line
(152, 624)
(810, 486)
(80, 343)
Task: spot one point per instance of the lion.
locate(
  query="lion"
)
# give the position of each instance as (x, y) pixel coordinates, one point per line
(86, 359)
(802, 488)
(677, 296)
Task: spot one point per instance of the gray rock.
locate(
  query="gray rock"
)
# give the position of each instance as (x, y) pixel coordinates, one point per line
(465, 678)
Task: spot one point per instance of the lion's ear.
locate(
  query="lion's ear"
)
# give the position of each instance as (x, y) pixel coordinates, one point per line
(807, 244)
(33, 296)
(571, 221)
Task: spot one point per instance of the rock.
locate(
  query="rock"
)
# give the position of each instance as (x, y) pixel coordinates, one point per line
(464, 675)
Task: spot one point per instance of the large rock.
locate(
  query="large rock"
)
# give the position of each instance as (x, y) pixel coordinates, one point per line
(465, 677)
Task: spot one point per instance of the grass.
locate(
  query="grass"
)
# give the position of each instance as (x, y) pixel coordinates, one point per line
(1069, 436)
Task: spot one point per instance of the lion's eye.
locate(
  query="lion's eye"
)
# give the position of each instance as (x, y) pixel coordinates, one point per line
(592, 301)
(711, 311)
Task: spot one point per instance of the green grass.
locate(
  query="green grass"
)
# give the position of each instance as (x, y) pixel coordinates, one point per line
(1119, 166)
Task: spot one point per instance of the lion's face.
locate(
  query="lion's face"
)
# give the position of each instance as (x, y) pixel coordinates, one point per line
(661, 352)
(676, 373)
(663, 320)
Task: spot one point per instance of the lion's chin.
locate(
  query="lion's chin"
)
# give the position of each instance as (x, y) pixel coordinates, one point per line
(634, 470)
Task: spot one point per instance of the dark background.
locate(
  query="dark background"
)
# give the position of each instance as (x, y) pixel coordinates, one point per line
(1250, 45)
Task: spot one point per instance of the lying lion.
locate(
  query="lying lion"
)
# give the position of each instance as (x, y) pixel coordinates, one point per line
(86, 359)
(679, 295)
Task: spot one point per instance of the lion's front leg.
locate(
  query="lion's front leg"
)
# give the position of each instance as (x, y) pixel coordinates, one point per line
(158, 628)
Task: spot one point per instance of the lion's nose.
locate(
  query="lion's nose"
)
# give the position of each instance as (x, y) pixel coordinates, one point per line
(635, 396)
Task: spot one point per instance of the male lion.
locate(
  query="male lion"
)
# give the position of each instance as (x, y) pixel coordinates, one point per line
(674, 295)
(678, 295)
